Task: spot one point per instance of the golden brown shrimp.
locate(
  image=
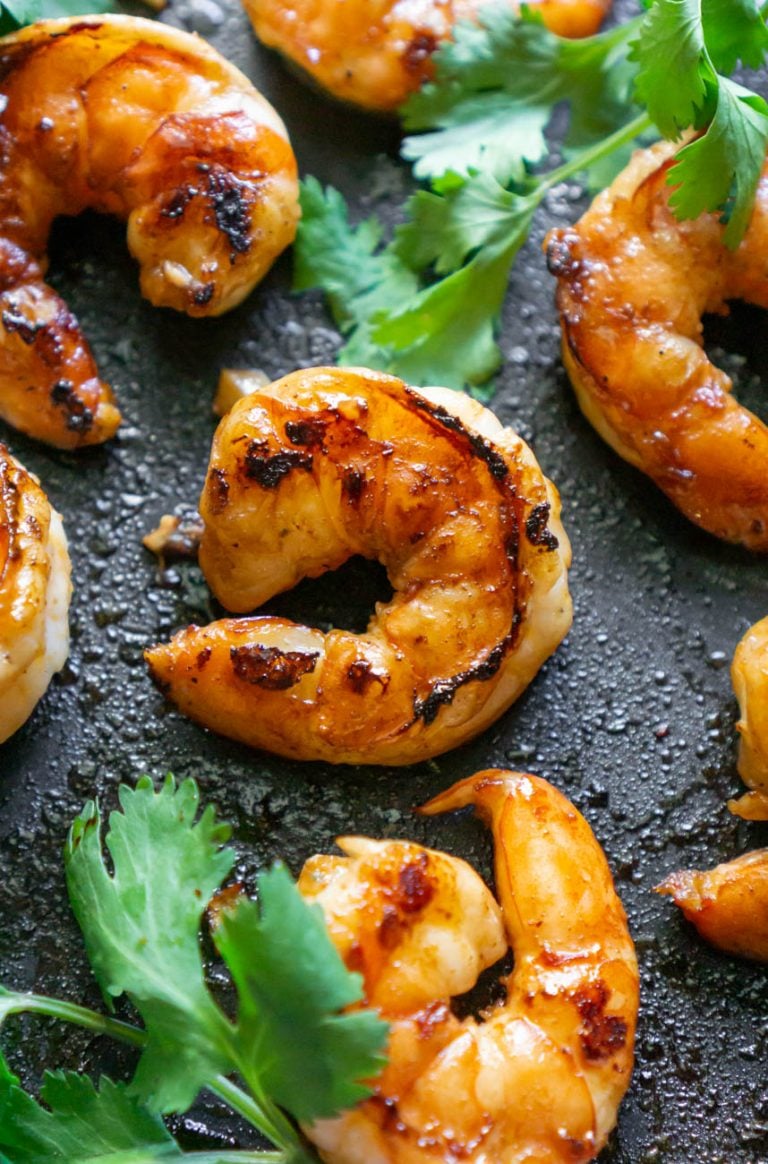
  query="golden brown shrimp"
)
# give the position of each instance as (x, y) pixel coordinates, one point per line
(34, 594)
(136, 119)
(375, 53)
(749, 675)
(332, 462)
(633, 284)
(728, 905)
(542, 1077)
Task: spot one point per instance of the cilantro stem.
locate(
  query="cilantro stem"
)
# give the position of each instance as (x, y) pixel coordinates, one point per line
(14, 1002)
(257, 1111)
(593, 153)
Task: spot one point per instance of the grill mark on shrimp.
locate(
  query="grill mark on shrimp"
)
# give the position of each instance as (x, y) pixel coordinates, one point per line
(271, 668)
(79, 417)
(537, 528)
(444, 691)
(228, 201)
(479, 446)
(15, 321)
(268, 469)
(601, 1035)
(419, 49)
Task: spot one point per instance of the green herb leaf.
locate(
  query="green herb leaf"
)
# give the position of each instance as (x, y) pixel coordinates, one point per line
(676, 81)
(346, 261)
(141, 926)
(735, 32)
(497, 85)
(15, 13)
(723, 166)
(441, 333)
(79, 1122)
(292, 986)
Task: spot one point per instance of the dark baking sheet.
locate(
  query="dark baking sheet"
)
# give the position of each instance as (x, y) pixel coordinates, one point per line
(633, 717)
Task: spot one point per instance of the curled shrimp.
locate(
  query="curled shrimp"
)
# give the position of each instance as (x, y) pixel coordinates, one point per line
(136, 119)
(749, 674)
(34, 594)
(633, 284)
(728, 905)
(375, 53)
(542, 1077)
(332, 462)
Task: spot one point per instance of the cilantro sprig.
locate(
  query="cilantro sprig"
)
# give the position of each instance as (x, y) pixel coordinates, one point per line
(291, 1053)
(426, 305)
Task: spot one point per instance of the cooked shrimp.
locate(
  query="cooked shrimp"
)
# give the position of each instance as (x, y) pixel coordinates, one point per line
(332, 462)
(749, 675)
(728, 905)
(34, 594)
(137, 119)
(542, 1077)
(633, 283)
(375, 53)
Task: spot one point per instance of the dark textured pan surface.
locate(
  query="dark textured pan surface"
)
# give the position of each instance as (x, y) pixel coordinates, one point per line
(633, 718)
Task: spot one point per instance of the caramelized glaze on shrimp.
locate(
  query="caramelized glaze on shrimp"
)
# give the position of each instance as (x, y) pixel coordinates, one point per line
(332, 462)
(749, 674)
(139, 120)
(542, 1077)
(728, 905)
(633, 284)
(375, 53)
(34, 594)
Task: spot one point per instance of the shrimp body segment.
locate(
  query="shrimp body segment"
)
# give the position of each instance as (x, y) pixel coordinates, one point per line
(137, 119)
(749, 675)
(633, 284)
(540, 1079)
(34, 594)
(375, 53)
(333, 462)
(728, 905)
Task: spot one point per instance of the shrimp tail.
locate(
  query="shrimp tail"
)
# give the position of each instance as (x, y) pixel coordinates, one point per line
(728, 905)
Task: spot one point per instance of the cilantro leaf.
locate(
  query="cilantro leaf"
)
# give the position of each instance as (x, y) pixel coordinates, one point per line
(291, 986)
(735, 32)
(15, 13)
(458, 217)
(676, 81)
(141, 924)
(79, 1123)
(497, 85)
(345, 261)
(488, 132)
(723, 166)
(429, 333)
(358, 277)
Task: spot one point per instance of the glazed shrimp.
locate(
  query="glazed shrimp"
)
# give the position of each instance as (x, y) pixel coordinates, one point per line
(728, 905)
(375, 53)
(749, 675)
(542, 1077)
(331, 462)
(633, 284)
(34, 594)
(136, 119)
